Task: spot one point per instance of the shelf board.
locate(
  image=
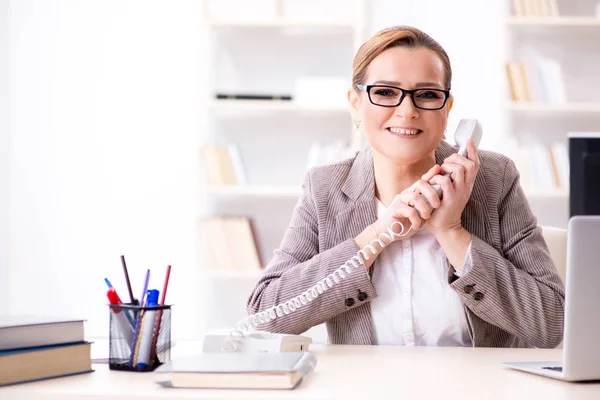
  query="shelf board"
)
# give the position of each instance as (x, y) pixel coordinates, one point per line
(279, 23)
(255, 191)
(537, 194)
(273, 106)
(233, 273)
(533, 106)
(554, 22)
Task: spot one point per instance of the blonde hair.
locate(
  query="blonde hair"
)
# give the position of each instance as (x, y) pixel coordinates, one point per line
(397, 36)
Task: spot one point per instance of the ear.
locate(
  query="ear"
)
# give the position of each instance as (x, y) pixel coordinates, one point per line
(450, 103)
(354, 101)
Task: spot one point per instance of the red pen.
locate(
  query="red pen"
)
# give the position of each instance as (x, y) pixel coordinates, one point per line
(124, 320)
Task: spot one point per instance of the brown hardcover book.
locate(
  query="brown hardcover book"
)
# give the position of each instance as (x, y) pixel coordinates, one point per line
(241, 243)
(218, 166)
(514, 95)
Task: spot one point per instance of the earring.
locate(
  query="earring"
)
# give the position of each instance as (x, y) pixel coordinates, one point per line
(444, 135)
(357, 124)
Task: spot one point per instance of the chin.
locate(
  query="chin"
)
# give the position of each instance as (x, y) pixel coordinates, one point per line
(401, 156)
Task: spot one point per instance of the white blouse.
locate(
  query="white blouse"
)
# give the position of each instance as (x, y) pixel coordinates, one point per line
(415, 305)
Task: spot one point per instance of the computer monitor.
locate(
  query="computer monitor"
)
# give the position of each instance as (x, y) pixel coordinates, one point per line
(584, 181)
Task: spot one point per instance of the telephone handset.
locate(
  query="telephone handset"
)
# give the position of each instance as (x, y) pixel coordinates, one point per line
(467, 128)
(241, 340)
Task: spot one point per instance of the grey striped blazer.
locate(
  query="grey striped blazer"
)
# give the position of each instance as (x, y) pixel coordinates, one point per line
(513, 296)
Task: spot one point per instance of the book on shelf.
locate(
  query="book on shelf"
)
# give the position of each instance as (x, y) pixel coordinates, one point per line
(537, 80)
(229, 244)
(543, 168)
(223, 165)
(535, 8)
(258, 97)
(321, 154)
(237, 370)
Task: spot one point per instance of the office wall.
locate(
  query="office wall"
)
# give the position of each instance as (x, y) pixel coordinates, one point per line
(105, 113)
(4, 157)
(104, 122)
(474, 37)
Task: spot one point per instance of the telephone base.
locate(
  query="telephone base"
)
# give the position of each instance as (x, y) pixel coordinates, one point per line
(257, 342)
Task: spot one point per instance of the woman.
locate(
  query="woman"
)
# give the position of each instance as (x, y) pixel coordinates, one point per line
(475, 272)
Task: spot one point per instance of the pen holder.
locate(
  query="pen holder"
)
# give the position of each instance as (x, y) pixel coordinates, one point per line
(140, 337)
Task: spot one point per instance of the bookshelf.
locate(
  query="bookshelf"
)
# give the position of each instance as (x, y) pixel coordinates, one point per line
(238, 191)
(272, 50)
(551, 60)
(554, 108)
(554, 22)
(240, 106)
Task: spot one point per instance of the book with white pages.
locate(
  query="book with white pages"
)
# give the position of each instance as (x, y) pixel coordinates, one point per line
(237, 370)
(24, 331)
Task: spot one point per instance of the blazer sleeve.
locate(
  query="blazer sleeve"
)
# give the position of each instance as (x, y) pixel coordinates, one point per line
(519, 290)
(298, 265)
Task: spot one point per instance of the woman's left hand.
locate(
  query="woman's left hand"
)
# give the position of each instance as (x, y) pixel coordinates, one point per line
(456, 188)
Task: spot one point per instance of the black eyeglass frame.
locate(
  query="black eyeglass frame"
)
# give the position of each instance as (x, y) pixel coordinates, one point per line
(367, 89)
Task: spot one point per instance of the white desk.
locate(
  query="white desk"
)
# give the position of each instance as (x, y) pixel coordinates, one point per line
(347, 372)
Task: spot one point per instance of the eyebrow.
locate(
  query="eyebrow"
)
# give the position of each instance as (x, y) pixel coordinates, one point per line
(418, 85)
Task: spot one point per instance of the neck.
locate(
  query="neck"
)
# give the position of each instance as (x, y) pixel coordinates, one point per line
(392, 178)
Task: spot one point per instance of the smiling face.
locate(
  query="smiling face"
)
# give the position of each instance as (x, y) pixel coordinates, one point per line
(403, 134)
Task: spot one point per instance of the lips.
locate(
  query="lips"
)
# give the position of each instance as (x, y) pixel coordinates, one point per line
(404, 131)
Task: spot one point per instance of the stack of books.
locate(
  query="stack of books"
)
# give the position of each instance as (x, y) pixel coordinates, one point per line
(36, 347)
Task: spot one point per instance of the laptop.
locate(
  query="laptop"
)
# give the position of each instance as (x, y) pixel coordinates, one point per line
(581, 344)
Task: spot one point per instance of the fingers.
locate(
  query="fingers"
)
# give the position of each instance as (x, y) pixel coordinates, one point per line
(469, 163)
(431, 173)
(413, 216)
(422, 186)
(417, 201)
(445, 183)
(407, 205)
(472, 153)
(457, 172)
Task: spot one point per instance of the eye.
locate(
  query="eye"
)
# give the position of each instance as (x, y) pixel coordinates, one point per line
(385, 92)
(429, 94)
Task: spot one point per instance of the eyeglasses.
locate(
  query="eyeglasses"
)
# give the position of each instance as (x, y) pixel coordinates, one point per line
(392, 96)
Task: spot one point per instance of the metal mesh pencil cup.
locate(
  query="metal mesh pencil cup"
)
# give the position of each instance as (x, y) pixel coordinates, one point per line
(140, 337)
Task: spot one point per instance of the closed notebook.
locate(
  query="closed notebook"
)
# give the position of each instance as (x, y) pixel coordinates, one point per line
(237, 370)
(22, 331)
(35, 363)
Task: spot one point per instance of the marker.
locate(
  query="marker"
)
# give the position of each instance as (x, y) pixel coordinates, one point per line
(113, 293)
(148, 330)
(121, 316)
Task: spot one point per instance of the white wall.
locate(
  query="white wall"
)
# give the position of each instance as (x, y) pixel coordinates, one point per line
(473, 35)
(4, 157)
(105, 99)
(104, 123)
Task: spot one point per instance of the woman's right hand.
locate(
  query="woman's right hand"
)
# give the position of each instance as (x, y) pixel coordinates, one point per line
(412, 208)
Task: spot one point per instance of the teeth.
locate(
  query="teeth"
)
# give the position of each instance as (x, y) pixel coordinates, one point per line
(400, 131)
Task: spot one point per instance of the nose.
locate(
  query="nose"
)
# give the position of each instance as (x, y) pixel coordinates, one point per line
(406, 109)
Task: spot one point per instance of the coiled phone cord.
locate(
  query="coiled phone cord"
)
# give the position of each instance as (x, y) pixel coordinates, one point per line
(251, 322)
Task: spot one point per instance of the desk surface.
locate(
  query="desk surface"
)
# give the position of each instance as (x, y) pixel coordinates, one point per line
(344, 372)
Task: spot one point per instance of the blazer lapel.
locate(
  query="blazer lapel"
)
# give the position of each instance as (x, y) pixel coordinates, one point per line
(359, 212)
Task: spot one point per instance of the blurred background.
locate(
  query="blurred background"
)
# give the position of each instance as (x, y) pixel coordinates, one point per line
(178, 132)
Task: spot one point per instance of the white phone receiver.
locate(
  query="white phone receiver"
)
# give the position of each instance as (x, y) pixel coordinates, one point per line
(467, 128)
